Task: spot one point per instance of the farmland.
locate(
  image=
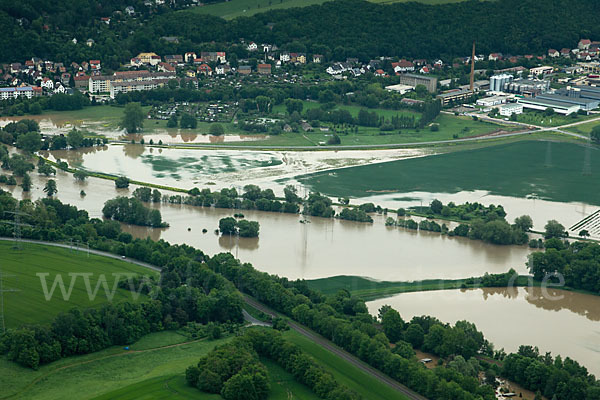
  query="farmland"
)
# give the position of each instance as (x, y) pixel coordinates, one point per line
(28, 305)
(548, 170)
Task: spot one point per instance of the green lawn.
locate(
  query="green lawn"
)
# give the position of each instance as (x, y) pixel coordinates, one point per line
(450, 127)
(584, 129)
(236, 8)
(539, 118)
(551, 170)
(28, 305)
(369, 387)
(96, 374)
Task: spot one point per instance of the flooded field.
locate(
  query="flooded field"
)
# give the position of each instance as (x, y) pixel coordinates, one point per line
(185, 168)
(562, 322)
(321, 248)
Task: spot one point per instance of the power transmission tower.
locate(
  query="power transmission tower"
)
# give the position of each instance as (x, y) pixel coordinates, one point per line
(2, 290)
(17, 226)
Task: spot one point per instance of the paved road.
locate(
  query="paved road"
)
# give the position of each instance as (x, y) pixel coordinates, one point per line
(253, 321)
(321, 341)
(85, 249)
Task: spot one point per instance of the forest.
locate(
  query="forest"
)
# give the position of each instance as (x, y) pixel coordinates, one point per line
(400, 29)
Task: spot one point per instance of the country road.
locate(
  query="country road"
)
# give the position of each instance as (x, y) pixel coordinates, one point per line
(318, 339)
(293, 325)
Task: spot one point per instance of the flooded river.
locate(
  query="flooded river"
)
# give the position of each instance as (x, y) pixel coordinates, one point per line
(321, 248)
(562, 322)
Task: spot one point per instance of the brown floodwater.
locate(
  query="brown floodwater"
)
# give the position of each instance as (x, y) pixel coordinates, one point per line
(321, 248)
(559, 321)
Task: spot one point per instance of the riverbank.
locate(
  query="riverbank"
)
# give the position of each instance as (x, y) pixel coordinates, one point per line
(370, 289)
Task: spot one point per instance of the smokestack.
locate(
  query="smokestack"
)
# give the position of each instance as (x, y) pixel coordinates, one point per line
(473, 69)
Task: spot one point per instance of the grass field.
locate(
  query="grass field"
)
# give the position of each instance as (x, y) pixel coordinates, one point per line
(237, 8)
(540, 119)
(450, 127)
(549, 170)
(584, 129)
(344, 373)
(28, 305)
(89, 376)
(368, 289)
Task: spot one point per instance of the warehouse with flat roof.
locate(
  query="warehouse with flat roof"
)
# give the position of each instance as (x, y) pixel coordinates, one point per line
(559, 107)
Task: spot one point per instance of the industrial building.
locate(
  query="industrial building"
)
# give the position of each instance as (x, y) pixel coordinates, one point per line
(497, 82)
(455, 95)
(507, 110)
(492, 101)
(527, 87)
(412, 80)
(542, 104)
(583, 103)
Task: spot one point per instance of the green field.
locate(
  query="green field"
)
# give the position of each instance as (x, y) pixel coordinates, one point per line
(344, 373)
(584, 129)
(89, 376)
(450, 127)
(550, 170)
(540, 119)
(28, 305)
(236, 8)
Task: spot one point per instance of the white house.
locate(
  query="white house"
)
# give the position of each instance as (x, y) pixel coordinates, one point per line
(59, 88)
(284, 57)
(47, 84)
(252, 46)
(507, 110)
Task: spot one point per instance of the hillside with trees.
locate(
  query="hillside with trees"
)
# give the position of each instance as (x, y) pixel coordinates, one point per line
(402, 29)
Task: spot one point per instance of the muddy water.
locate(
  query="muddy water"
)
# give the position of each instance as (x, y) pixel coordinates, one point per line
(317, 249)
(541, 211)
(57, 124)
(562, 322)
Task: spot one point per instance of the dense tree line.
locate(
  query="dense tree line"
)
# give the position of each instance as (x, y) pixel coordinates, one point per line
(132, 211)
(578, 263)
(485, 223)
(555, 378)
(328, 29)
(243, 228)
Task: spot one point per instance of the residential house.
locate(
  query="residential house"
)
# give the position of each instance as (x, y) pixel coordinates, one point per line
(403, 66)
(565, 52)
(106, 20)
(284, 57)
(553, 53)
(89, 42)
(15, 68)
(95, 65)
(222, 69)
(85, 66)
(264, 69)
(245, 69)
(336, 69)
(584, 44)
(81, 81)
(425, 70)
(205, 69)
(129, 10)
(29, 64)
(301, 58)
(190, 73)
(59, 88)
(438, 64)
(47, 84)
(64, 78)
(174, 59)
(149, 58)
(165, 67)
(420, 62)
(136, 62)
(495, 57)
(252, 46)
(189, 57)
(380, 73)
(317, 58)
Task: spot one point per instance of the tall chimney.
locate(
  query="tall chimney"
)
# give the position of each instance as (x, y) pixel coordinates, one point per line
(473, 68)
